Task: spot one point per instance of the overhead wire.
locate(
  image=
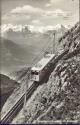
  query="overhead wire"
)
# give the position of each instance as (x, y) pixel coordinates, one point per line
(43, 50)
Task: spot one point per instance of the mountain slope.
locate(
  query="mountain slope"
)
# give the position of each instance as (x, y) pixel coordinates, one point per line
(7, 86)
(13, 55)
(59, 98)
(65, 102)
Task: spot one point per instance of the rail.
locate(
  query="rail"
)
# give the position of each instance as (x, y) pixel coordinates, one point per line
(16, 108)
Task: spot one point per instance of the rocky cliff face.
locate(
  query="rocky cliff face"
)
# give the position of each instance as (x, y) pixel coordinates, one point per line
(65, 104)
(59, 99)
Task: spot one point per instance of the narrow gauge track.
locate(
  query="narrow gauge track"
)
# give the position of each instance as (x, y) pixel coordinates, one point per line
(16, 108)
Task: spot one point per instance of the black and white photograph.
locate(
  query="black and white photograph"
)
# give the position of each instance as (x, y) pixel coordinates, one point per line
(40, 62)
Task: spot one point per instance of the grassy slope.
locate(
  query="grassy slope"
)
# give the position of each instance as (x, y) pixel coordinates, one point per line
(7, 86)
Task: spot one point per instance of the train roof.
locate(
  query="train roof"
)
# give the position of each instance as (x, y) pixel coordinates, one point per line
(43, 62)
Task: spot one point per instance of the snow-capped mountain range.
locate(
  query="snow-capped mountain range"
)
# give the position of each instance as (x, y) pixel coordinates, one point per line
(18, 28)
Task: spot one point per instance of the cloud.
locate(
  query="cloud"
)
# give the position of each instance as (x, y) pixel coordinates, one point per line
(26, 12)
(52, 2)
(57, 13)
(15, 18)
(12, 16)
(33, 15)
(56, 2)
(47, 5)
(36, 22)
(27, 9)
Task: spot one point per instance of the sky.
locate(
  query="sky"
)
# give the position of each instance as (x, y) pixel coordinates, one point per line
(40, 12)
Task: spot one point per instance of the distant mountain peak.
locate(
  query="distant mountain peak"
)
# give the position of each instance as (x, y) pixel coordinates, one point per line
(30, 28)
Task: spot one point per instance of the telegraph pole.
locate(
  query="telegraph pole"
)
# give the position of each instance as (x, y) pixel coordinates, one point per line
(26, 89)
(54, 42)
(79, 12)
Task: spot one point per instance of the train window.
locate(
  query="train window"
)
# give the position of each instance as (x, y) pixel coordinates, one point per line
(34, 73)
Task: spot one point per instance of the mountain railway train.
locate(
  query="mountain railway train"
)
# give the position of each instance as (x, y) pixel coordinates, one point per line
(39, 70)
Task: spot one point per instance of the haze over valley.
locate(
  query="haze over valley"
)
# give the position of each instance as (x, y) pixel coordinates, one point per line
(21, 47)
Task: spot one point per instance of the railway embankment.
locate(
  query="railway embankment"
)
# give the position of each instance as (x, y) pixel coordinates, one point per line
(7, 87)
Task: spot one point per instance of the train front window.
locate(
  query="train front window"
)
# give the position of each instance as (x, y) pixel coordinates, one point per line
(34, 73)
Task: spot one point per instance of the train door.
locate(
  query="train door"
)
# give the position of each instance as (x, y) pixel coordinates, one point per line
(35, 76)
(41, 74)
